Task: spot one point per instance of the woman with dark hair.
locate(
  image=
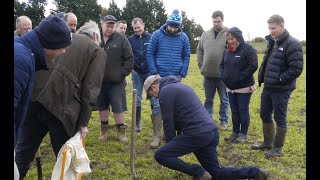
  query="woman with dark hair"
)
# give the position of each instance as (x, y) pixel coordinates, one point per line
(239, 63)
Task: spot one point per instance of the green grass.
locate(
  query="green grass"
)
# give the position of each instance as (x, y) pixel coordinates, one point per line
(111, 159)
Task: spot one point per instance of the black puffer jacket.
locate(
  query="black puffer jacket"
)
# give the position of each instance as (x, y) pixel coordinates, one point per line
(280, 71)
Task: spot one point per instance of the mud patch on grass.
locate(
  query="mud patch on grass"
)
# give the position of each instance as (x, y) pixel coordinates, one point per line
(303, 111)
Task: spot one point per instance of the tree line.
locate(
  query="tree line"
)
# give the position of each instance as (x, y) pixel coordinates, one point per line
(152, 12)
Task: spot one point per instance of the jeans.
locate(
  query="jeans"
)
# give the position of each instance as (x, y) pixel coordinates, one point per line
(239, 104)
(39, 121)
(137, 82)
(276, 101)
(210, 87)
(204, 147)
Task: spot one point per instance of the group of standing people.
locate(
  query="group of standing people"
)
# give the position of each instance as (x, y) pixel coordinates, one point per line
(70, 78)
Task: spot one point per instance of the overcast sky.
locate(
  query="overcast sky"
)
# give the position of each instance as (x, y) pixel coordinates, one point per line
(248, 15)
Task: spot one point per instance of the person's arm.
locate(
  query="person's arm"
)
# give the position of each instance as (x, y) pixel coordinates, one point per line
(185, 57)
(21, 80)
(91, 84)
(200, 51)
(222, 65)
(127, 56)
(151, 54)
(294, 61)
(252, 66)
(168, 107)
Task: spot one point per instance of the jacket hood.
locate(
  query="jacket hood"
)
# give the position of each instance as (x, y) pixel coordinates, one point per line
(163, 28)
(237, 33)
(168, 80)
(32, 40)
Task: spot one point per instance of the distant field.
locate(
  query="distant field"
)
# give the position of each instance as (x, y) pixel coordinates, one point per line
(111, 159)
(261, 47)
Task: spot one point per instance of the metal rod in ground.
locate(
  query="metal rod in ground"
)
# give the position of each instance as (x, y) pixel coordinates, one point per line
(39, 167)
(133, 137)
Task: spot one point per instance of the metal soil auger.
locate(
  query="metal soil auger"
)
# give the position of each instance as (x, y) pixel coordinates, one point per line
(133, 137)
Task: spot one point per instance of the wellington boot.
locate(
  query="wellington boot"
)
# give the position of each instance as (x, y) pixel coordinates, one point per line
(157, 126)
(122, 134)
(103, 133)
(268, 135)
(276, 151)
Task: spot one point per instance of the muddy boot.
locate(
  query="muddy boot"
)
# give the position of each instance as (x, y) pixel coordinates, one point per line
(103, 133)
(263, 174)
(279, 138)
(268, 135)
(231, 137)
(122, 133)
(138, 119)
(157, 126)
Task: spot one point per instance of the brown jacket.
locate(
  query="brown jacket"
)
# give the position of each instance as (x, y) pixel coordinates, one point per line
(70, 88)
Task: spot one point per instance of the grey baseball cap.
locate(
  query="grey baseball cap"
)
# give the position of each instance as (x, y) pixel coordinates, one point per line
(109, 19)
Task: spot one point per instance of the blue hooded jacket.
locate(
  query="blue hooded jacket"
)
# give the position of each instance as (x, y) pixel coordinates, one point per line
(182, 110)
(168, 54)
(28, 57)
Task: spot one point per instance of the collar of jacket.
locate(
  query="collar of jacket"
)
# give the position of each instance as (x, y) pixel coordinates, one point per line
(32, 41)
(281, 38)
(142, 35)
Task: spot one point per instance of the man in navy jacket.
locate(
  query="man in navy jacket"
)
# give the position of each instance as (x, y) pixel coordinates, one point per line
(31, 51)
(139, 43)
(188, 128)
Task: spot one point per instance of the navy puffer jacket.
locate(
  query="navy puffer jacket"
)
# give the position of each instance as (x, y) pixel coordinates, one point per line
(280, 68)
(28, 57)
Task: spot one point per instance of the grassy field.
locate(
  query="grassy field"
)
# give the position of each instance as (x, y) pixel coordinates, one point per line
(111, 159)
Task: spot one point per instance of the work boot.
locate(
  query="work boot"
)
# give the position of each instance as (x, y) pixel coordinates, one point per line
(279, 138)
(242, 138)
(103, 133)
(233, 136)
(205, 176)
(138, 119)
(223, 126)
(268, 135)
(122, 134)
(157, 126)
(263, 174)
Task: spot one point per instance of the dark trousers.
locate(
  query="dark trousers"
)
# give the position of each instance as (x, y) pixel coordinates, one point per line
(38, 123)
(276, 102)
(239, 104)
(204, 148)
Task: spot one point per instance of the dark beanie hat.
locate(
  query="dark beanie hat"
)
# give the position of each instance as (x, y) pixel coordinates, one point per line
(53, 33)
(174, 20)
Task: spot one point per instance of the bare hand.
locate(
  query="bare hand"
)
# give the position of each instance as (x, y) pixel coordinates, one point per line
(84, 131)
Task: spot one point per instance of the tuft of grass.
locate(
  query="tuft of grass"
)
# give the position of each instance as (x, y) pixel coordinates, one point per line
(111, 159)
